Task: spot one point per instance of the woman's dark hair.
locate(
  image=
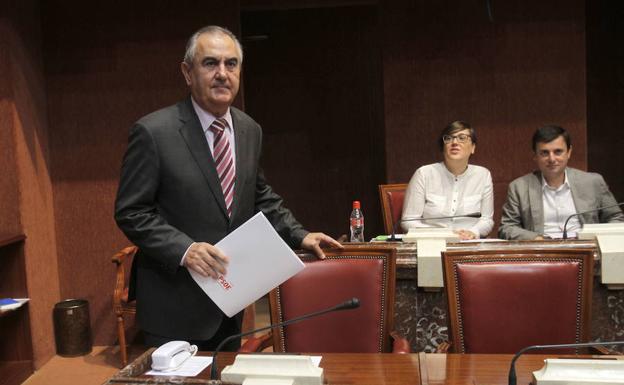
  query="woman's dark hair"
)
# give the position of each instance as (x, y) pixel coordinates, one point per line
(547, 134)
(454, 127)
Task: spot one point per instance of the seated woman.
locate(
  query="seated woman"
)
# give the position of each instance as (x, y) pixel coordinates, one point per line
(452, 187)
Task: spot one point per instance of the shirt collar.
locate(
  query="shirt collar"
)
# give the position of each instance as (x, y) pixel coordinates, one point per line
(566, 183)
(206, 118)
(451, 175)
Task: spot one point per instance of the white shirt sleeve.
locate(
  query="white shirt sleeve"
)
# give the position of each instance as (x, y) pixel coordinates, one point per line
(485, 224)
(186, 252)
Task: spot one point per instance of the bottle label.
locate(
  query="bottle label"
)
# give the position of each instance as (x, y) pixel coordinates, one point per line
(357, 222)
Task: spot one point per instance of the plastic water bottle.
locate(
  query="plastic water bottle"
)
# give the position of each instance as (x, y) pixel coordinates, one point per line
(357, 223)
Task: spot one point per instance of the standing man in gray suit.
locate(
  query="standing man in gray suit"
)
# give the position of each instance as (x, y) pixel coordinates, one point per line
(189, 177)
(539, 203)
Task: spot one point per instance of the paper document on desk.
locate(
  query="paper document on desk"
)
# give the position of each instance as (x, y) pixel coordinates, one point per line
(259, 261)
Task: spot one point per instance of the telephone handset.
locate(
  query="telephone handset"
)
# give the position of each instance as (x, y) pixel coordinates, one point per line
(172, 355)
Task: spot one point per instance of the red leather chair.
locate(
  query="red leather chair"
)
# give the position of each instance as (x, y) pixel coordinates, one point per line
(502, 301)
(391, 197)
(365, 273)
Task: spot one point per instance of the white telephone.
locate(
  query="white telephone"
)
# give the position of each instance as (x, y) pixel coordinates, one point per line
(172, 355)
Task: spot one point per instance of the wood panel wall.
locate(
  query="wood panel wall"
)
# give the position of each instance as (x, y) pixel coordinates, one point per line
(605, 91)
(507, 75)
(313, 81)
(10, 221)
(25, 183)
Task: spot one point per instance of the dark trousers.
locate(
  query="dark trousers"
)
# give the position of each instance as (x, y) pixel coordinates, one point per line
(228, 327)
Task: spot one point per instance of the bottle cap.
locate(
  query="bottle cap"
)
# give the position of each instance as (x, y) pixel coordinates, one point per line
(356, 204)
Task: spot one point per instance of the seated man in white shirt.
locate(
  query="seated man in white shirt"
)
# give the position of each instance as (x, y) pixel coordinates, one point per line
(539, 203)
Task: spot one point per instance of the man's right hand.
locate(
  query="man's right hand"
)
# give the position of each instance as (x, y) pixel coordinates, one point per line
(206, 260)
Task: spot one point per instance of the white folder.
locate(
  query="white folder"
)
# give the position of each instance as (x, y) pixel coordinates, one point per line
(259, 261)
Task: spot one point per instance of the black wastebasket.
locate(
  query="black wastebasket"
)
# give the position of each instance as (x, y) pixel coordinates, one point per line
(72, 328)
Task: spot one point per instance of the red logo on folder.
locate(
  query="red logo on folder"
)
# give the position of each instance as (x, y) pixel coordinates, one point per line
(225, 284)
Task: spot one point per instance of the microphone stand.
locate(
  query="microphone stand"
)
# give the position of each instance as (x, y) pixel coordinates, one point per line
(565, 225)
(512, 366)
(394, 225)
(393, 237)
(353, 303)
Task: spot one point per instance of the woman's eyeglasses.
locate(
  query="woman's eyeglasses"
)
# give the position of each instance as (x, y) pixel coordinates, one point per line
(461, 138)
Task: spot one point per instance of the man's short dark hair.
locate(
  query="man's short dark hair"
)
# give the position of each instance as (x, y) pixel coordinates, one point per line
(454, 127)
(547, 134)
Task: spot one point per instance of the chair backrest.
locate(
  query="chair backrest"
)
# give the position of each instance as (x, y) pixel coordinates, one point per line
(502, 301)
(365, 273)
(391, 197)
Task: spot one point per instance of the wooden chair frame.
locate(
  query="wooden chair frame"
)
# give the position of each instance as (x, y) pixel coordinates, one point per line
(121, 306)
(384, 198)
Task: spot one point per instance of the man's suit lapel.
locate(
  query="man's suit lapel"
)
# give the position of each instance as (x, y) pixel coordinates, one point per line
(193, 134)
(582, 199)
(241, 139)
(536, 202)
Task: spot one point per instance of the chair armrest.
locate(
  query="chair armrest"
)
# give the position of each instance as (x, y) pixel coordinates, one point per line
(123, 254)
(444, 347)
(256, 344)
(400, 345)
(120, 293)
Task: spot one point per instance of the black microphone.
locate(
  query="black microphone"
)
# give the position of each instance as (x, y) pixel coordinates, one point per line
(392, 237)
(565, 225)
(471, 215)
(512, 367)
(353, 303)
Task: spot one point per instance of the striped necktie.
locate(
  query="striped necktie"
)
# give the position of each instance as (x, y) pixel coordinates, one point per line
(222, 154)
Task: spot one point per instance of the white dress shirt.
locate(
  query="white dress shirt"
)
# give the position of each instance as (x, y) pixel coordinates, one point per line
(434, 191)
(206, 119)
(558, 206)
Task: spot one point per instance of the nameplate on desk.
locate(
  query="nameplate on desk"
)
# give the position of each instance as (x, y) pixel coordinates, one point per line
(261, 369)
(580, 372)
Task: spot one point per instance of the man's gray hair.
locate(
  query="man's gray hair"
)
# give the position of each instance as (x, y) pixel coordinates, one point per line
(191, 45)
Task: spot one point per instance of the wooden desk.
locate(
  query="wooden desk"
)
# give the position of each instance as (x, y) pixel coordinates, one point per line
(339, 368)
(385, 368)
(475, 369)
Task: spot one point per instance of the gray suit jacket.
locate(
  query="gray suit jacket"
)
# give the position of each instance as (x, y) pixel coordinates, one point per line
(523, 212)
(170, 196)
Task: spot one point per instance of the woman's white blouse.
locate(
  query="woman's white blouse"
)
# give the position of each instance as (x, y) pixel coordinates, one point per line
(434, 191)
